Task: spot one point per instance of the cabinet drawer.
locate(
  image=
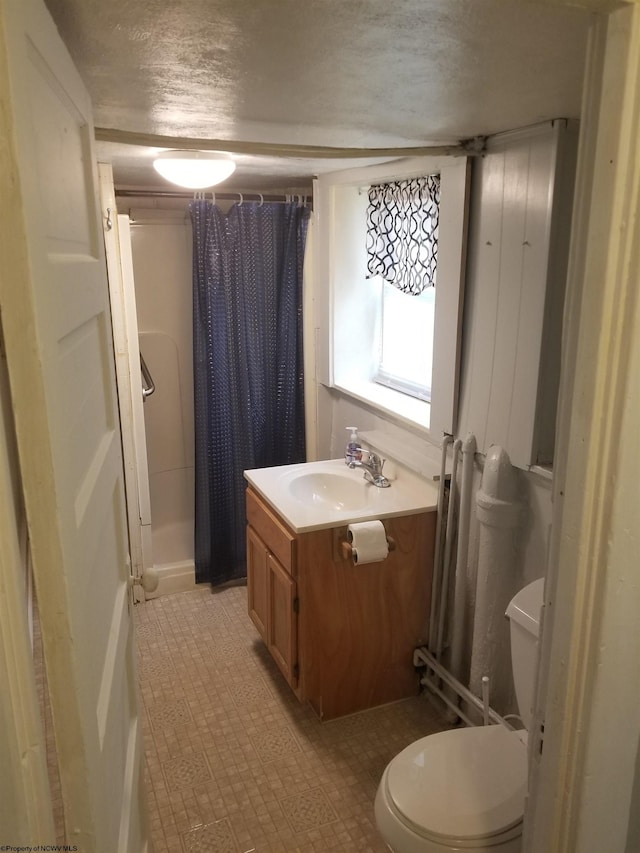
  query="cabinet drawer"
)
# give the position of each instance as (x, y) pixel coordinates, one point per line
(279, 540)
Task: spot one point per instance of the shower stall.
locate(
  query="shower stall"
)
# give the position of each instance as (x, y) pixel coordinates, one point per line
(160, 250)
(153, 262)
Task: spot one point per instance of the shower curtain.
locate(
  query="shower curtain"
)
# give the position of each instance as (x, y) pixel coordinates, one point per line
(248, 365)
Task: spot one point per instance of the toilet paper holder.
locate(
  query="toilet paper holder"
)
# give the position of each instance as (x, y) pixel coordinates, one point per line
(347, 549)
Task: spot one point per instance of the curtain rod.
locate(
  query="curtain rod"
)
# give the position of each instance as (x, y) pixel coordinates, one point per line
(225, 196)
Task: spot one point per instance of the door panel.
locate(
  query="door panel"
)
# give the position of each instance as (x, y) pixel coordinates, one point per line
(55, 309)
(257, 582)
(283, 624)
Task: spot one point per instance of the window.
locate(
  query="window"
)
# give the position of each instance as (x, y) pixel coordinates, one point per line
(402, 249)
(406, 341)
(363, 332)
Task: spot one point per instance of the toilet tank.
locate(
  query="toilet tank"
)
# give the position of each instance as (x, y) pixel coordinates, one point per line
(524, 615)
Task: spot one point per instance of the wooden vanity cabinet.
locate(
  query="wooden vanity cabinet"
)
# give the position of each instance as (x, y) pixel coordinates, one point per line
(343, 635)
(271, 584)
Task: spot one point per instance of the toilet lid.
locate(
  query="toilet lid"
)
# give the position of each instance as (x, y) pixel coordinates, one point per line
(463, 784)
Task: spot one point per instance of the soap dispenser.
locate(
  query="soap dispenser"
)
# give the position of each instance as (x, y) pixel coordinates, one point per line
(352, 453)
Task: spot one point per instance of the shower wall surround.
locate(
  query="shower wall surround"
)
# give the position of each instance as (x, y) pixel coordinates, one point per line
(161, 247)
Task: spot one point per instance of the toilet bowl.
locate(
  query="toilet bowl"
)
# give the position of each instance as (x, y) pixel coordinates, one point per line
(465, 789)
(456, 790)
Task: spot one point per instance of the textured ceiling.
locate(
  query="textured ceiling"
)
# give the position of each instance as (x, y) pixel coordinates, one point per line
(345, 73)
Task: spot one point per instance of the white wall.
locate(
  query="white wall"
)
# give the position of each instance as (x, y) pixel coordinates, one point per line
(522, 193)
(161, 247)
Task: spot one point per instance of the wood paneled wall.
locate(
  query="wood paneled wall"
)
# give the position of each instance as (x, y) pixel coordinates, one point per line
(518, 247)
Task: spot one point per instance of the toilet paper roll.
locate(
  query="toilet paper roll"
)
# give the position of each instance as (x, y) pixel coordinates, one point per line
(368, 542)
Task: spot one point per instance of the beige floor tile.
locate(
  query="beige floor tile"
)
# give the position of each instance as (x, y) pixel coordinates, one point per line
(234, 763)
(214, 837)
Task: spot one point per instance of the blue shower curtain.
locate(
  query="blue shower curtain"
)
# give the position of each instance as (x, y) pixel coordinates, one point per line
(248, 365)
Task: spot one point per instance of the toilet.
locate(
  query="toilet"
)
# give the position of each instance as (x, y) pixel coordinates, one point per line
(465, 789)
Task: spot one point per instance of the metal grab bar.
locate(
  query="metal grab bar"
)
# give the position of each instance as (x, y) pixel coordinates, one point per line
(149, 385)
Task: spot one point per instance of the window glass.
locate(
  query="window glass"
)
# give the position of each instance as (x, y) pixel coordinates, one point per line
(406, 341)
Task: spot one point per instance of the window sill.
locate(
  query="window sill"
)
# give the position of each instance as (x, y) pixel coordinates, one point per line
(403, 408)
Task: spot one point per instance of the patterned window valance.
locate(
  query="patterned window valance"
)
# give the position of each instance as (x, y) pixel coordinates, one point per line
(402, 232)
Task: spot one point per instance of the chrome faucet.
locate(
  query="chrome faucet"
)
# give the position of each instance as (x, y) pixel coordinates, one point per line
(372, 468)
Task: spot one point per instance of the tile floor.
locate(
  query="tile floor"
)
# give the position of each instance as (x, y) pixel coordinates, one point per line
(235, 763)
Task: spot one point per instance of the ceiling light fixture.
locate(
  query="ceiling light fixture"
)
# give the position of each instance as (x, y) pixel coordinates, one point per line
(195, 170)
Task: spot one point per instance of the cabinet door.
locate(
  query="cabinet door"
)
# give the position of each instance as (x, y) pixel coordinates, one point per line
(283, 621)
(257, 582)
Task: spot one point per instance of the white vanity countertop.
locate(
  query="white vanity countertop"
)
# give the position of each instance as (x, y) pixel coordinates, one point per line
(316, 495)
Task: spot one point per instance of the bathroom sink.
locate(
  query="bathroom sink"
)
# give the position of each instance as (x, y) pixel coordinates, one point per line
(331, 490)
(315, 495)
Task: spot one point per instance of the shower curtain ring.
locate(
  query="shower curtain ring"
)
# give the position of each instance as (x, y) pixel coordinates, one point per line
(241, 199)
(261, 199)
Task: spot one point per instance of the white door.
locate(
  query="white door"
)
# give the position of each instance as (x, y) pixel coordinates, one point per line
(55, 313)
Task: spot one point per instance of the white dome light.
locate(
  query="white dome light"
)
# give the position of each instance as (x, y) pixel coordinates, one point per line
(195, 170)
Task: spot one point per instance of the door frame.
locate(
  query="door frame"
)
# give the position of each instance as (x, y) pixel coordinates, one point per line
(124, 323)
(591, 632)
(26, 811)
